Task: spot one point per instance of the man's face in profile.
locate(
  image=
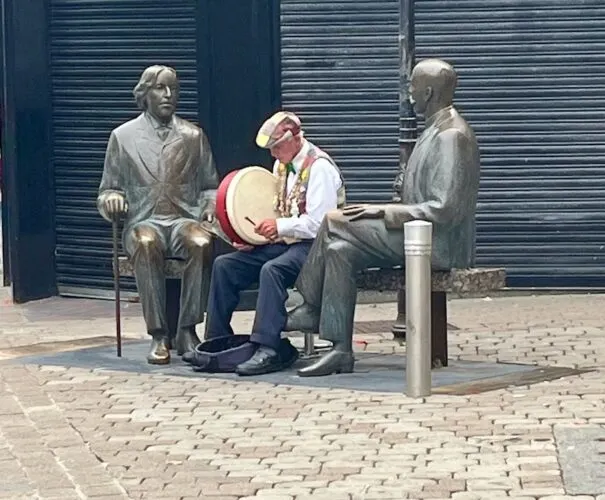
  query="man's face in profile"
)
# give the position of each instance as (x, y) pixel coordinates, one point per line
(419, 93)
(163, 96)
(287, 150)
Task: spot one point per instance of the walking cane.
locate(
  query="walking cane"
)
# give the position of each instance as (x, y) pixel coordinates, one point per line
(116, 283)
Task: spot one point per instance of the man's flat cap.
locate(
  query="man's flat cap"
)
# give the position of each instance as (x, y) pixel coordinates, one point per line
(280, 127)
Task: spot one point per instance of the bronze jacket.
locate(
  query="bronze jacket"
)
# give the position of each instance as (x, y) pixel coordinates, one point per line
(175, 177)
(440, 185)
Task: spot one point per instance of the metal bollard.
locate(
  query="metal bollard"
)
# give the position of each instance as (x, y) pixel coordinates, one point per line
(418, 246)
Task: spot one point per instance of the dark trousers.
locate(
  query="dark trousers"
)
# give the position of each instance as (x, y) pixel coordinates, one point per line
(276, 268)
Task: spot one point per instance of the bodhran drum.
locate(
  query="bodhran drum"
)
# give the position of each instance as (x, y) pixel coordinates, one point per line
(244, 198)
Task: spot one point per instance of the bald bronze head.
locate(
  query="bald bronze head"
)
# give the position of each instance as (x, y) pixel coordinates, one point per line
(432, 86)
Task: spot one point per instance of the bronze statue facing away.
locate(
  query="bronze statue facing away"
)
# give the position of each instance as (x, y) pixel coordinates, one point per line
(440, 185)
(159, 172)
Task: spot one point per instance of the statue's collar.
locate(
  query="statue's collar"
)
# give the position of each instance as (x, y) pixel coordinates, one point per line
(439, 116)
(156, 124)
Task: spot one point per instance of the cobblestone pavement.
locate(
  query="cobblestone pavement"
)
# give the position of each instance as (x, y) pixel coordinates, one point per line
(73, 433)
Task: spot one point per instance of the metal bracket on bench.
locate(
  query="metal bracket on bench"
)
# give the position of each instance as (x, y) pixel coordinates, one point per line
(309, 349)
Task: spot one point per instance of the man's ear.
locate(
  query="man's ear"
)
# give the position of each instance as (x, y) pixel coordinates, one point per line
(428, 93)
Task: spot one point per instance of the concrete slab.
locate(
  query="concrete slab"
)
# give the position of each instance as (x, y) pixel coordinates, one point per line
(582, 456)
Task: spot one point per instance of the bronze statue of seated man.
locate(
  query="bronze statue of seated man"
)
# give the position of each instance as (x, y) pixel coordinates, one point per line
(159, 171)
(440, 185)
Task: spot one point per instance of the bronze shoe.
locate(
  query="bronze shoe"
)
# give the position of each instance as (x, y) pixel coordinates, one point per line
(186, 340)
(159, 353)
(303, 318)
(333, 362)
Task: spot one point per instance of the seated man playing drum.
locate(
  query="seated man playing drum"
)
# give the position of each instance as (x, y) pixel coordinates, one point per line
(309, 185)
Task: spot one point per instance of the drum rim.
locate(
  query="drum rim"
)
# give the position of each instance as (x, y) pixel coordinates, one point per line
(221, 208)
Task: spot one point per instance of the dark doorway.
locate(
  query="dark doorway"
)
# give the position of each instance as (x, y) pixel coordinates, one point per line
(28, 205)
(4, 256)
(239, 83)
(238, 76)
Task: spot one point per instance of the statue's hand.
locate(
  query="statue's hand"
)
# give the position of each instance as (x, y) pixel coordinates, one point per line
(397, 184)
(208, 216)
(115, 205)
(356, 212)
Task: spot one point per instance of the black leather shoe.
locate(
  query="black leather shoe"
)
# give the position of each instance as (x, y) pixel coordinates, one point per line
(263, 361)
(159, 353)
(186, 340)
(303, 318)
(333, 362)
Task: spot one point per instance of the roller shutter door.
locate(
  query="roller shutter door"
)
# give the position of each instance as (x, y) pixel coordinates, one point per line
(532, 82)
(98, 50)
(340, 74)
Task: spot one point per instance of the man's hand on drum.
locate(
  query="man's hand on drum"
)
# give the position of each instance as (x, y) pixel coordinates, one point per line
(241, 247)
(267, 228)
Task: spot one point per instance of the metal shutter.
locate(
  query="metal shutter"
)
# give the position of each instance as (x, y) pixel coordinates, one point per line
(532, 83)
(340, 74)
(98, 50)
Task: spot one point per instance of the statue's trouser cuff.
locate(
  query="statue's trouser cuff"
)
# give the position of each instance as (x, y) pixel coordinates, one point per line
(275, 268)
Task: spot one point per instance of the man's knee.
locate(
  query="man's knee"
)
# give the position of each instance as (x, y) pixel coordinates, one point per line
(195, 239)
(339, 247)
(270, 271)
(221, 264)
(145, 237)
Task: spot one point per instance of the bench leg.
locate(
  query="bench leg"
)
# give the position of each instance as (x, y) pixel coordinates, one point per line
(309, 344)
(439, 329)
(398, 329)
(173, 307)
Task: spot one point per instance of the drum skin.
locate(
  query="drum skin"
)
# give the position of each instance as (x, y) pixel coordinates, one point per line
(245, 198)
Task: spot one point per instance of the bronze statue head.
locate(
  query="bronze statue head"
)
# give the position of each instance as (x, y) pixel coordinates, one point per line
(158, 92)
(432, 86)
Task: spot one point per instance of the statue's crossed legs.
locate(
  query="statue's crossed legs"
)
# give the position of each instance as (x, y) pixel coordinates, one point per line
(327, 283)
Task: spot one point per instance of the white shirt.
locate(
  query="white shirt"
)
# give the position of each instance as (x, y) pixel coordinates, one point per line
(321, 196)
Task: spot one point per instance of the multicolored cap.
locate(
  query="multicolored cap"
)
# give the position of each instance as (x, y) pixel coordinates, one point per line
(280, 127)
